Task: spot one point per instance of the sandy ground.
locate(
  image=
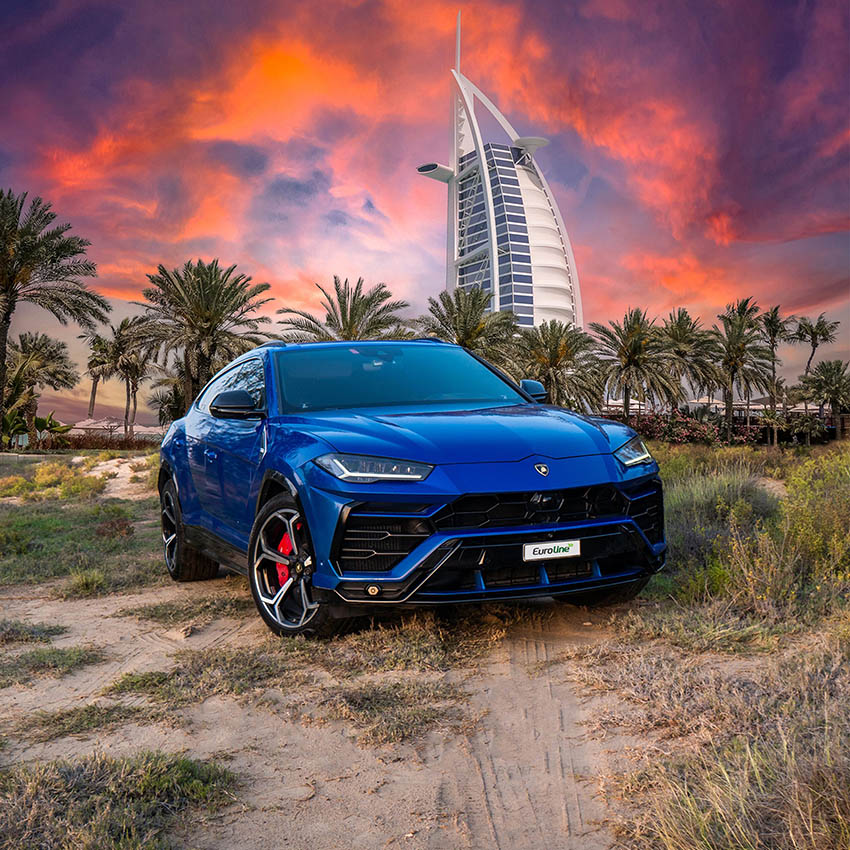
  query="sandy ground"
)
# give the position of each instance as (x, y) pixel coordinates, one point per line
(526, 776)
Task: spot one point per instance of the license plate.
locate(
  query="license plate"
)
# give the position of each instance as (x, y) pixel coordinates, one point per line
(551, 549)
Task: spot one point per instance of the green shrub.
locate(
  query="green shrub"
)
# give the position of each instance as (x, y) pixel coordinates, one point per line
(86, 582)
(800, 561)
(14, 485)
(698, 509)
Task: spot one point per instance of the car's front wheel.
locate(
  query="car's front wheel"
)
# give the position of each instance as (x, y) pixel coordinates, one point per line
(281, 565)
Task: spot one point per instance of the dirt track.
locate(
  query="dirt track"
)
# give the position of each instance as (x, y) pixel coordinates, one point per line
(526, 776)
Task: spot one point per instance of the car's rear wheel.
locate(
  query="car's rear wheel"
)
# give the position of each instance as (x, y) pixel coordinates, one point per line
(184, 562)
(280, 568)
(611, 596)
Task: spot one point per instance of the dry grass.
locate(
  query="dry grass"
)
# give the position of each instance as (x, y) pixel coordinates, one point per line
(18, 631)
(392, 712)
(771, 765)
(22, 668)
(197, 610)
(81, 720)
(101, 803)
(716, 626)
(223, 671)
(424, 641)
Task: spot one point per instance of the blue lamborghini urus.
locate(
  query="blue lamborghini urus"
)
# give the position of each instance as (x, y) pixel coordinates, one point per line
(344, 476)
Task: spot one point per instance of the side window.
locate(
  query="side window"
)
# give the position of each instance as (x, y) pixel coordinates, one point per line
(249, 376)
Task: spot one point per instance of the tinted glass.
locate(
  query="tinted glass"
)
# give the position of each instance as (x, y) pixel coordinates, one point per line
(348, 376)
(248, 376)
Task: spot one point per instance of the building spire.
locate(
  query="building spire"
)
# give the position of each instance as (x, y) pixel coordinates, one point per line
(457, 43)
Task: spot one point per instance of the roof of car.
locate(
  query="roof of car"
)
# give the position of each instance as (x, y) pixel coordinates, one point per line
(280, 343)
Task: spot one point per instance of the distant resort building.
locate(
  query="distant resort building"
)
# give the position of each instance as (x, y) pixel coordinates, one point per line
(505, 231)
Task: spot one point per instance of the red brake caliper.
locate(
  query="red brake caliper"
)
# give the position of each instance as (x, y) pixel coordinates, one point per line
(285, 549)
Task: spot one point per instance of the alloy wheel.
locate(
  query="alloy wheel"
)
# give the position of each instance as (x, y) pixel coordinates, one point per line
(169, 530)
(282, 566)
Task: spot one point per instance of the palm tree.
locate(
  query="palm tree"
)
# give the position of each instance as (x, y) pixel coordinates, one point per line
(167, 398)
(350, 313)
(462, 317)
(692, 350)
(127, 358)
(135, 371)
(744, 359)
(561, 358)
(41, 264)
(39, 361)
(203, 313)
(828, 383)
(635, 360)
(814, 334)
(97, 364)
(775, 328)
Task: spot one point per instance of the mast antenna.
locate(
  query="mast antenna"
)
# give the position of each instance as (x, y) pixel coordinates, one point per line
(457, 43)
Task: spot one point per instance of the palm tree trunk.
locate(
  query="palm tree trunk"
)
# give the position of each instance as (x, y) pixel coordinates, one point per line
(126, 408)
(748, 408)
(627, 398)
(94, 382)
(727, 400)
(5, 321)
(806, 372)
(773, 382)
(133, 416)
(30, 410)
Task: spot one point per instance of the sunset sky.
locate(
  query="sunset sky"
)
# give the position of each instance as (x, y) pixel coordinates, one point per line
(700, 151)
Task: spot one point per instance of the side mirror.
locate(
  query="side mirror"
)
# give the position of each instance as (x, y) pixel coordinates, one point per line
(234, 404)
(535, 389)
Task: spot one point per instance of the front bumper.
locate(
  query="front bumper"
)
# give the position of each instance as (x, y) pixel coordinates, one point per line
(469, 548)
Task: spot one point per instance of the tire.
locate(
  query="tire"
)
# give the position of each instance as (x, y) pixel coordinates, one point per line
(184, 562)
(613, 596)
(273, 563)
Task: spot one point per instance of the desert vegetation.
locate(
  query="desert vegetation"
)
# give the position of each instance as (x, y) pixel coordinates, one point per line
(729, 676)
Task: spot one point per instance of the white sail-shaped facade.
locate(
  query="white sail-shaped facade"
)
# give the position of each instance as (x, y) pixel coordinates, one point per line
(505, 231)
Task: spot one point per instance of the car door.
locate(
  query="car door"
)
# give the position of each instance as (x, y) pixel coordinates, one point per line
(237, 447)
(203, 458)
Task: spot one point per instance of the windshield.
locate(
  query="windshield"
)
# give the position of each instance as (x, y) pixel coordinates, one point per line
(397, 374)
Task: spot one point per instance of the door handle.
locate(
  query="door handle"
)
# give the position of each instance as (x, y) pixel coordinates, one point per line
(210, 454)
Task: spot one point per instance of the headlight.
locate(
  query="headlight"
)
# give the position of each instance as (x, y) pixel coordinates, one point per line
(633, 453)
(367, 470)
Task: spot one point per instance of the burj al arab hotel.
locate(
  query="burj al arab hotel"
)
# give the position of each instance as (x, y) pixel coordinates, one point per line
(505, 231)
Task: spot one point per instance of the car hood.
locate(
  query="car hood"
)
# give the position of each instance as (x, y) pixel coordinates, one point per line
(458, 436)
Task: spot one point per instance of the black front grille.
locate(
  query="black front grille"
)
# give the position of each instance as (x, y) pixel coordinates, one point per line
(377, 544)
(502, 510)
(370, 542)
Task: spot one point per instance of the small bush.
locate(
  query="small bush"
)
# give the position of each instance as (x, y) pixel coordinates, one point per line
(117, 527)
(698, 511)
(14, 485)
(86, 582)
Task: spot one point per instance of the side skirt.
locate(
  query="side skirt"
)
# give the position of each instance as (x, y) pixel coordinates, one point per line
(219, 550)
